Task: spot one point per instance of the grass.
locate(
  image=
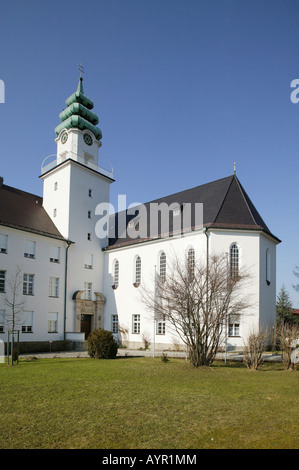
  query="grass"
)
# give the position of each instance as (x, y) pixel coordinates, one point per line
(143, 403)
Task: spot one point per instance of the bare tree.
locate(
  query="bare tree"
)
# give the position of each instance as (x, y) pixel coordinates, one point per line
(15, 302)
(288, 339)
(198, 299)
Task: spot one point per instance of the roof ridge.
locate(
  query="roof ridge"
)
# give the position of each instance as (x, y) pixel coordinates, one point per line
(18, 191)
(243, 195)
(221, 205)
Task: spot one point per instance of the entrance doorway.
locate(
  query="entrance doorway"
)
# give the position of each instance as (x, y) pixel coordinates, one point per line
(86, 325)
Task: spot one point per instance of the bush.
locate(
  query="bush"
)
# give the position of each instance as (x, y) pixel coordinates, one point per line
(102, 345)
(254, 348)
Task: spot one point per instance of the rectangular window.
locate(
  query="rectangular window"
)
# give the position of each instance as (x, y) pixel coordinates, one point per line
(29, 249)
(27, 325)
(89, 214)
(161, 326)
(2, 320)
(53, 322)
(89, 236)
(90, 192)
(136, 323)
(54, 212)
(3, 243)
(2, 281)
(54, 287)
(234, 327)
(88, 262)
(88, 290)
(55, 186)
(28, 282)
(114, 323)
(54, 254)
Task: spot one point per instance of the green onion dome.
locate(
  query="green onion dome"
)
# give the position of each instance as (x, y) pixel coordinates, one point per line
(78, 113)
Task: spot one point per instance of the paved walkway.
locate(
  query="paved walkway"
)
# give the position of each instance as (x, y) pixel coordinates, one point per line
(231, 356)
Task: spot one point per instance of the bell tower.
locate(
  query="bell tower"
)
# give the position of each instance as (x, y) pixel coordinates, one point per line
(78, 137)
(73, 186)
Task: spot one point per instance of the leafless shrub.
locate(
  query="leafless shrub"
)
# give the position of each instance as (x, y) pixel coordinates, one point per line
(288, 339)
(254, 348)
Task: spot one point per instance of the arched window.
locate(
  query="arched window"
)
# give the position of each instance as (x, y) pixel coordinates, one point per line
(162, 266)
(268, 267)
(234, 261)
(116, 274)
(137, 271)
(191, 262)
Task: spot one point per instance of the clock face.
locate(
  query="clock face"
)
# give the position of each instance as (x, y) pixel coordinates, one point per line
(64, 137)
(87, 139)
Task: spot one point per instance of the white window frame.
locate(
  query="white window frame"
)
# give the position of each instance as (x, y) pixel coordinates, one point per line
(136, 324)
(114, 323)
(162, 266)
(3, 243)
(53, 286)
(28, 284)
(53, 322)
(2, 280)
(27, 326)
(30, 249)
(268, 267)
(2, 320)
(88, 290)
(234, 327)
(161, 326)
(115, 273)
(55, 254)
(234, 260)
(88, 262)
(137, 266)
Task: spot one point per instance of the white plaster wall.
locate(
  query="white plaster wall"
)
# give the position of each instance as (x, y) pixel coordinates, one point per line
(126, 301)
(72, 201)
(40, 303)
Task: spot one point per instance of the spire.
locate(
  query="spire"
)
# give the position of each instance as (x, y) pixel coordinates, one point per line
(78, 113)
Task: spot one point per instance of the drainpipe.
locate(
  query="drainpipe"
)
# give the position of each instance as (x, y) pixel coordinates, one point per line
(205, 231)
(69, 243)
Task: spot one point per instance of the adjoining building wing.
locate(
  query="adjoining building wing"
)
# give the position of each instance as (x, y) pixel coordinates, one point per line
(24, 211)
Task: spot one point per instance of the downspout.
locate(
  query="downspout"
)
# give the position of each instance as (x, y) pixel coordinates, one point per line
(69, 243)
(205, 231)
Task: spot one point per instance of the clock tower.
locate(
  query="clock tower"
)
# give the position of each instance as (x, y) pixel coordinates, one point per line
(77, 135)
(73, 185)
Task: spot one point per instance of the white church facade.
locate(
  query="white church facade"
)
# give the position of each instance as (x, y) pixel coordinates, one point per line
(72, 280)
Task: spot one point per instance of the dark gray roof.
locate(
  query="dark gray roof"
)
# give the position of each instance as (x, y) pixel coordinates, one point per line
(24, 211)
(225, 205)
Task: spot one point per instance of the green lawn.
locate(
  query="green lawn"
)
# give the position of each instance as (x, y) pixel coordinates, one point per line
(143, 403)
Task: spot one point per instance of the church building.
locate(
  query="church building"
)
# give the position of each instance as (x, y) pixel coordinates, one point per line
(75, 276)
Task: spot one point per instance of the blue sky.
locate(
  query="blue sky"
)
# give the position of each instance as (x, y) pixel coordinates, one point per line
(183, 89)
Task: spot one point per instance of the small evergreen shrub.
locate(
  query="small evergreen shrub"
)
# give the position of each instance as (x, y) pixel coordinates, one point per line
(102, 345)
(164, 357)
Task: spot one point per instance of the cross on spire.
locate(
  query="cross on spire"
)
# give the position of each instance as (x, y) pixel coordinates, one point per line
(81, 69)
